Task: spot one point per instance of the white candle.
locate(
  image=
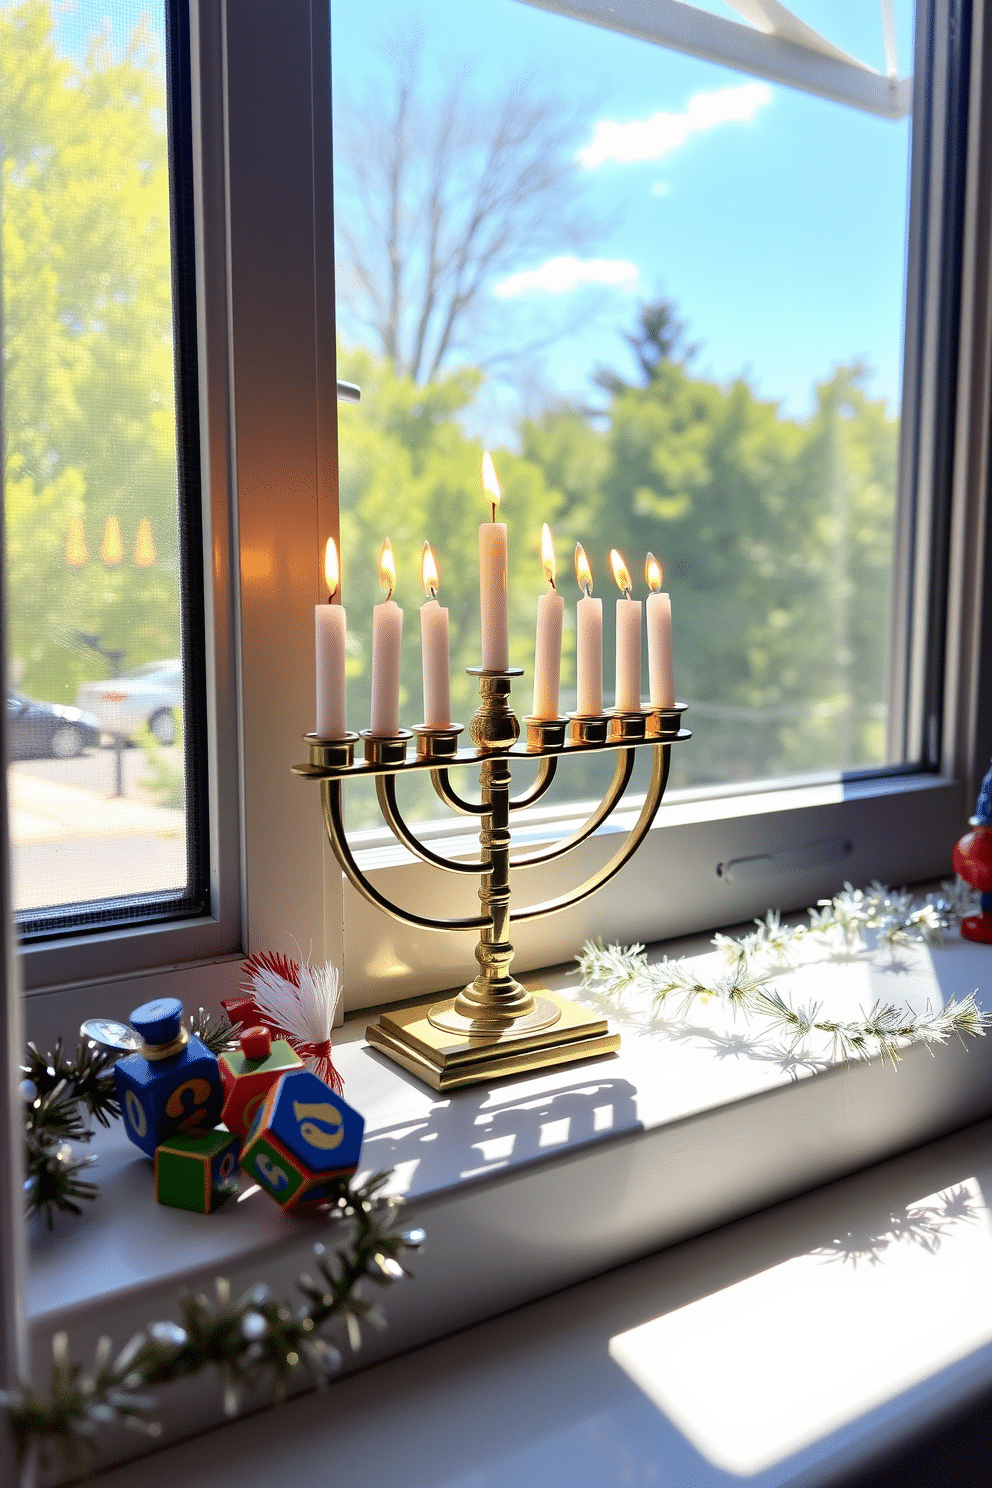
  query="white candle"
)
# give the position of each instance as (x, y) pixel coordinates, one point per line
(658, 621)
(628, 672)
(493, 580)
(434, 649)
(588, 642)
(387, 637)
(331, 628)
(547, 650)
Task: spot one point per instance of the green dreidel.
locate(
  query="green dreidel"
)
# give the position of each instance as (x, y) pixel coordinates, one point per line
(197, 1173)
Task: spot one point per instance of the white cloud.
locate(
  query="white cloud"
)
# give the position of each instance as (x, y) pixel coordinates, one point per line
(562, 275)
(658, 136)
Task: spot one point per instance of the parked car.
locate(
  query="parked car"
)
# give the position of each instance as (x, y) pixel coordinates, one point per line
(148, 694)
(37, 730)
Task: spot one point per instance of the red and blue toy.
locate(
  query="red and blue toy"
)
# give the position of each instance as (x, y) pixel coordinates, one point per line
(972, 859)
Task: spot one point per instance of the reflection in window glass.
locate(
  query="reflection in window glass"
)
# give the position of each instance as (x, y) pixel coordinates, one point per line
(94, 709)
(669, 298)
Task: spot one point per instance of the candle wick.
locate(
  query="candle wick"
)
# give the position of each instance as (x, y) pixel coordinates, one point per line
(494, 511)
(626, 594)
(432, 592)
(587, 589)
(551, 581)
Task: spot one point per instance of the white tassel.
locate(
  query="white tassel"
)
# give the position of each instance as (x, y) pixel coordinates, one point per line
(300, 1007)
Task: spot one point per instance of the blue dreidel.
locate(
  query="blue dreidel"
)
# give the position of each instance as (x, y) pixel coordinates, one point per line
(172, 1086)
(303, 1139)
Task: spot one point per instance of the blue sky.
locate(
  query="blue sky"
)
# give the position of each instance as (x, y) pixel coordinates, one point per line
(778, 232)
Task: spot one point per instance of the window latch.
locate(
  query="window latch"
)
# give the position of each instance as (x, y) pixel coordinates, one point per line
(792, 860)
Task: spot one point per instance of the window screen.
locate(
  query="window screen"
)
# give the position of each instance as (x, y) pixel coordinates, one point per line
(104, 646)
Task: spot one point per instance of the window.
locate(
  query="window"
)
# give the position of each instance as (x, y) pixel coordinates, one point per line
(108, 724)
(267, 410)
(670, 297)
(102, 488)
(811, 654)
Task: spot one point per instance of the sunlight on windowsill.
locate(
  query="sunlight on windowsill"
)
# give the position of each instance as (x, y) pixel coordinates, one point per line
(762, 1369)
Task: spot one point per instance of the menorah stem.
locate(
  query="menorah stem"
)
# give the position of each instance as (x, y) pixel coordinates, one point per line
(495, 1001)
(494, 996)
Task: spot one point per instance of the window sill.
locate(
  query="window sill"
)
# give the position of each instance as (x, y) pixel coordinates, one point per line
(842, 1338)
(536, 1184)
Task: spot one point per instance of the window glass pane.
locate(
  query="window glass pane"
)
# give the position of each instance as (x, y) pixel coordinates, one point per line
(669, 297)
(95, 706)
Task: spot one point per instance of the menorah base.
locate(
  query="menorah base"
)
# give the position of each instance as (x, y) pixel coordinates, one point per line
(446, 1060)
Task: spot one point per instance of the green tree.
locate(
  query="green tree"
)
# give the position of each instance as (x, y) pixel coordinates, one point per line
(776, 538)
(88, 373)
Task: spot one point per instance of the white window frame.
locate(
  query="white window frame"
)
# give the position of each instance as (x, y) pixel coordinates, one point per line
(266, 327)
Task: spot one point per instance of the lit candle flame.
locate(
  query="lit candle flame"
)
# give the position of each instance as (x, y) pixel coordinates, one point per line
(652, 573)
(583, 573)
(75, 543)
(332, 569)
(387, 568)
(112, 548)
(428, 572)
(548, 554)
(489, 482)
(620, 573)
(144, 545)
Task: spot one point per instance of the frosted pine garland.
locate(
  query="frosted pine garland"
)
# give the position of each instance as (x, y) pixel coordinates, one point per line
(753, 960)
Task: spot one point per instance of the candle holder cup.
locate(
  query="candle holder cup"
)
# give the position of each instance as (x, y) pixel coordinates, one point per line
(494, 1026)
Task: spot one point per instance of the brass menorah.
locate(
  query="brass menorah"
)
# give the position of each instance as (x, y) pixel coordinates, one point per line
(494, 1026)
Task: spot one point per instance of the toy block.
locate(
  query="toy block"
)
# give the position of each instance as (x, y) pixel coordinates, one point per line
(303, 1141)
(172, 1085)
(249, 1073)
(197, 1173)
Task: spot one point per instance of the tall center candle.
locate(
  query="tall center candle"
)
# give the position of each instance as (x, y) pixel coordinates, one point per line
(658, 621)
(588, 642)
(547, 651)
(387, 637)
(493, 579)
(628, 673)
(331, 634)
(434, 648)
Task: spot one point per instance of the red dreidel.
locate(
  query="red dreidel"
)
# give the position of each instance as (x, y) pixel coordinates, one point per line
(171, 1087)
(304, 1140)
(250, 1072)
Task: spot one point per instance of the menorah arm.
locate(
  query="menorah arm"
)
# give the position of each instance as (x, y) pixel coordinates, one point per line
(330, 795)
(633, 840)
(385, 789)
(621, 777)
(443, 787)
(545, 775)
